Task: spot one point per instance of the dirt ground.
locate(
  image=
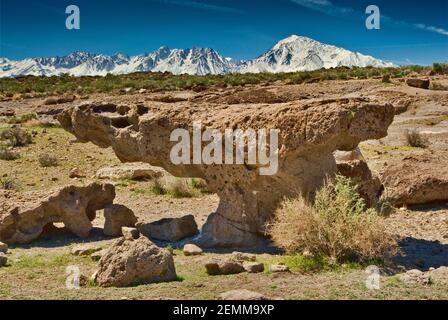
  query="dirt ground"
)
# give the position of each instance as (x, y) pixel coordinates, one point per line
(38, 270)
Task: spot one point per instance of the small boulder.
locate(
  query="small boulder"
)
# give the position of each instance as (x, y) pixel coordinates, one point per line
(85, 249)
(276, 268)
(242, 256)
(130, 233)
(3, 247)
(242, 294)
(117, 216)
(3, 259)
(418, 83)
(76, 173)
(253, 267)
(133, 171)
(192, 250)
(220, 267)
(170, 229)
(134, 262)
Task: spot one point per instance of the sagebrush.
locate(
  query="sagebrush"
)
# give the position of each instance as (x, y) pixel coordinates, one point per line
(338, 225)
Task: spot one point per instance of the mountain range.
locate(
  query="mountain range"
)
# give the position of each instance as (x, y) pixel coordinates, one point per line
(295, 53)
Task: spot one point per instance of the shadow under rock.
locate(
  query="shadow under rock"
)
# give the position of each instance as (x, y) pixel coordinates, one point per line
(421, 254)
(60, 237)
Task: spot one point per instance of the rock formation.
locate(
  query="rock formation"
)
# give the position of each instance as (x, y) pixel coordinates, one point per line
(309, 133)
(353, 165)
(169, 229)
(418, 179)
(24, 216)
(117, 216)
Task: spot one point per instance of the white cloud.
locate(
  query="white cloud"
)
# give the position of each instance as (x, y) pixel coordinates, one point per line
(327, 7)
(432, 29)
(324, 6)
(202, 5)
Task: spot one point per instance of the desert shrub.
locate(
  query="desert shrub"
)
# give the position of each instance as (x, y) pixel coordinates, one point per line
(337, 226)
(180, 188)
(386, 78)
(157, 187)
(7, 154)
(438, 86)
(22, 119)
(440, 68)
(199, 184)
(47, 160)
(415, 139)
(8, 182)
(16, 136)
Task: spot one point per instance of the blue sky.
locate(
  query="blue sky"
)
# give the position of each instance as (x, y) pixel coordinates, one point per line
(412, 32)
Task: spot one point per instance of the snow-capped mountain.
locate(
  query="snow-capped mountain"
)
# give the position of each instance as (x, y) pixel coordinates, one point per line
(297, 53)
(292, 54)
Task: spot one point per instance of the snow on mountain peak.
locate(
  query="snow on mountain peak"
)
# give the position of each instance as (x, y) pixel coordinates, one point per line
(294, 53)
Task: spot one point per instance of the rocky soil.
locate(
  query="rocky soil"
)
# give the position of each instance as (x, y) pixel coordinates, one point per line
(413, 178)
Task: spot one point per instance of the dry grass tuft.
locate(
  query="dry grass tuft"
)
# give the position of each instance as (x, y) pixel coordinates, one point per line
(415, 139)
(16, 137)
(46, 160)
(7, 154)
(337, 226)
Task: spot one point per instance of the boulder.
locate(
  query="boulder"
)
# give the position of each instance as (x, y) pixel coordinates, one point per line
(132, 262)
(253, 267)
(27, 214)
(133, 171)
(418, 83)
(276, 268)
(3, 259)
(3, 247)
(352, 165)
(57, 100)
(130, 233)
(221, 267)
(417, 179)
(309, 132)
(76, 173)
(170, 229)
(242, 256)
(117, 216)
(242, 294)
(192, 250)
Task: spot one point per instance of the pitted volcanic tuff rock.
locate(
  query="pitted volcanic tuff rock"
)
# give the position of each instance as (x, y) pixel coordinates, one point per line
(23, 217)
(309, 134)
(418, 179)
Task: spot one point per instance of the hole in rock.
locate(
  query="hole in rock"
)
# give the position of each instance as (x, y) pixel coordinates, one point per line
(120, 122)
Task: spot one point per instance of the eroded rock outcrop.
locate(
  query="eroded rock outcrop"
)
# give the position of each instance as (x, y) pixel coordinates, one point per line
(25, 215)
(353, 165)
(309, 133)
